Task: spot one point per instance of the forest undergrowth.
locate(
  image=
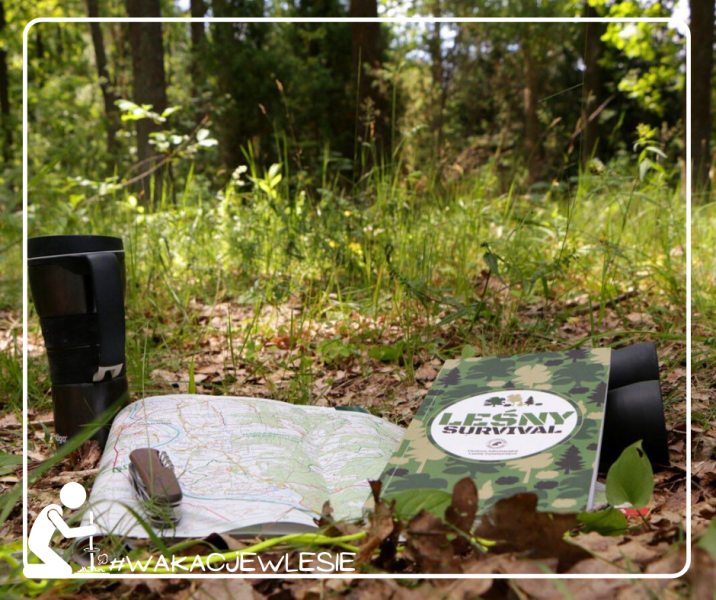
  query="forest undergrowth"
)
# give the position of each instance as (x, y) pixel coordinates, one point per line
(331, 296)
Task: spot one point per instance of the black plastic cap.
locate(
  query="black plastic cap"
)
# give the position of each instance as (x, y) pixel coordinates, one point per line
(57, 245)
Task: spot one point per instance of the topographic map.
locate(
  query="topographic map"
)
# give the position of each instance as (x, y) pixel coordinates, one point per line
(244, 464)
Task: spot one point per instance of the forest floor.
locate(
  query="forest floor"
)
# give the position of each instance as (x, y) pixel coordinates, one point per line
(652, 545)
(314, 342)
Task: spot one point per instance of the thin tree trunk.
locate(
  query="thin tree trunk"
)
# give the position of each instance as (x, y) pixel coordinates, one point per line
(702, 64)
(367, 50)
(39, 44)
(149, 84)
(110, 110)
(198, 11)
(532, 126)
(594, 50)
(435, 47)
(5, 96)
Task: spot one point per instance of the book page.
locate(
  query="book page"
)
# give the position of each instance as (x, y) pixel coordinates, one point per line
(243, 463)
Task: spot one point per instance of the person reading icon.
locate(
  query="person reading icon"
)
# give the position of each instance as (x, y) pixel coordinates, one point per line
(73, 496)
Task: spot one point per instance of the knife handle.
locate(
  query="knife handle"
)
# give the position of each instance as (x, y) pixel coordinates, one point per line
(158, 478)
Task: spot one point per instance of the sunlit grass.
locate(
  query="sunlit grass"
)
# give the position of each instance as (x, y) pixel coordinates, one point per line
(418, 255)
(703, 261)
(435, 270)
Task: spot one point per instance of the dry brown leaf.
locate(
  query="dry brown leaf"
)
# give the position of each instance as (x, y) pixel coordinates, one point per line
(467, 589)
(462, 512)
(427, 544)
(225, 589)
(87, 456)
(516, 526)
(426, 372)
(383, 531)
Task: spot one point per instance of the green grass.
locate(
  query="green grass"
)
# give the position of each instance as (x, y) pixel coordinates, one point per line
(703, 249)
(431, 268)
(389, 275)
(703, 302)
(10, 299)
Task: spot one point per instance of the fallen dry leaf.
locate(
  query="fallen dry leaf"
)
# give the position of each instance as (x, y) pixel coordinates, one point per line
(383, 531)
(516, 526)
(426, 372)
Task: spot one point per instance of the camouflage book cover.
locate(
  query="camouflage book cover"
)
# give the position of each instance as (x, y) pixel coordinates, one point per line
(529, 423)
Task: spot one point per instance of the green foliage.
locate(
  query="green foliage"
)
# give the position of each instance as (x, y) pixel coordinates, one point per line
(388, 353)
(630, 483)
(630, 479)
(654, 78)
(8, 462)
(409, 503)
(134, 112)
(335, 351)
(610, 521)
(264, 204)
(707, 541)
(289, 92)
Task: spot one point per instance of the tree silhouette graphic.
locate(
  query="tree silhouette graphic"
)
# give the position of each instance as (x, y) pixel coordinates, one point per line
(453, 377)
(571, 460)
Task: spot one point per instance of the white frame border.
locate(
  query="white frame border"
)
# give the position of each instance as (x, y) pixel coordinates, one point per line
(185, 20)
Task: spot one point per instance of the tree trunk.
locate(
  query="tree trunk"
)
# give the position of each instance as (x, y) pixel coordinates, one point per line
(702, 63)
(198, 11)
(367, 51)
(39, 44)
(5, 96)
(593, 52)
(149, 84)
(435, 47)
(532, 126)
(110, 110)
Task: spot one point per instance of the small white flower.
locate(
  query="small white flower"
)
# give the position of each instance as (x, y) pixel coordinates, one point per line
(236, 175)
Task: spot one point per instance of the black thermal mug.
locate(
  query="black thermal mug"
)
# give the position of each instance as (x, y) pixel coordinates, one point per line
(78, 284)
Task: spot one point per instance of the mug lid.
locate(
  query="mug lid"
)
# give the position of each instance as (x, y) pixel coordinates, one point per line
(57, 245)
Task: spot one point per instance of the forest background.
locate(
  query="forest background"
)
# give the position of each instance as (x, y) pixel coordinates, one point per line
(323, 212)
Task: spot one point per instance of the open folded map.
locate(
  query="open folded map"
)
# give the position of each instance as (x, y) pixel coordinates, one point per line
(245, 465)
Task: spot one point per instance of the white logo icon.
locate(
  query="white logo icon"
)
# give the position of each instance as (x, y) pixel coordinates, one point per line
(53, 566)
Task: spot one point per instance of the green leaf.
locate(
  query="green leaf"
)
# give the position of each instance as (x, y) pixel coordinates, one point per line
(656, 151)
(707, 541)
(168, 111)
(8, 462)
(46, 432)
(274, 170)
(192, 381)
(644, 167)
(491, 261)
(125, 105)
(630, 479)
(409, 503)
(202, 134)
(387, 353)
(468, 351)
(607, 522)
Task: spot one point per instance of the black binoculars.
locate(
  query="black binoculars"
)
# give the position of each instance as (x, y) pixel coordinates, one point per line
(635, 409)
(78, 284)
